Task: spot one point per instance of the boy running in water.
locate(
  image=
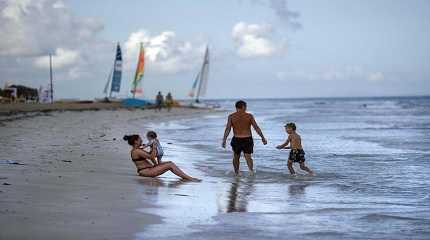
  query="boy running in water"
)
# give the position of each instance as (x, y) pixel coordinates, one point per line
(296, 154)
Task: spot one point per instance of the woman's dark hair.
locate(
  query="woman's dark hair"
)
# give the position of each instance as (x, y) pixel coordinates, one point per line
(151, 134)
(131, 139)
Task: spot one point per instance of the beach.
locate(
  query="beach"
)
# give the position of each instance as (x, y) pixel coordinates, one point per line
(16, 108)
(68, 175)
(371, 158)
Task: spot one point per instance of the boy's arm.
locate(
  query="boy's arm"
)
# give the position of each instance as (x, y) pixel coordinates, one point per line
(258, 130)
(226, 131)
(285, 144)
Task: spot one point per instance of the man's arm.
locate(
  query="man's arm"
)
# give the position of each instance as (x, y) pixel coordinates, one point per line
(258, 130)
(227, 131)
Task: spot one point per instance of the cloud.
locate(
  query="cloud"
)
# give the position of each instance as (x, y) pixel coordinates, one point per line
(280, 7)
(61, 58)
(258, 40)
(34, 28)
(282, 12)
(165, 52)
(253, 40)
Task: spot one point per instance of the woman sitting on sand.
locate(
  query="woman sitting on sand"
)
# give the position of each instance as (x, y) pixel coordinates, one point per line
(146, 163)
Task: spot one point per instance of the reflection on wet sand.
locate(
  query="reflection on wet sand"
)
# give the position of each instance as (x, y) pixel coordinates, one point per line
(297, 189)
(238, 195)
(154, 184)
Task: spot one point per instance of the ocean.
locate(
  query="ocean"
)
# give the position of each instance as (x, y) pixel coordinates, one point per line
(371, 157)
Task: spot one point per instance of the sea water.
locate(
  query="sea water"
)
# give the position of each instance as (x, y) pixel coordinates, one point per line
(371, 157)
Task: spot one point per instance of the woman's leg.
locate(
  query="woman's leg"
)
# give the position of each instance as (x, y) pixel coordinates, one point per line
(153, 171)
(178, 172)
(162, 168)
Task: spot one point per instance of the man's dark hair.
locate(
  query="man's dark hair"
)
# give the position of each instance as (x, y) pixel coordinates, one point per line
(291, 125)
(240, 104)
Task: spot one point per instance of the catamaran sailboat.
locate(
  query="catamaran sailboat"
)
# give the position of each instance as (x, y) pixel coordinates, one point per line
(113, 83)
(136, 88)
(201, 82)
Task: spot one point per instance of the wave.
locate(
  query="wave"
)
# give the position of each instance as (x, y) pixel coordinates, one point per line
(383, 217)
(334, 209)
(319, 234)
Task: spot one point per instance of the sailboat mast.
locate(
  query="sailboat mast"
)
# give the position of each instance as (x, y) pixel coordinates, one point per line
(110, 77)
(113, 83)
(134, 91)
(108, 84)
(200, 87)
(203, 74)
(50, 78)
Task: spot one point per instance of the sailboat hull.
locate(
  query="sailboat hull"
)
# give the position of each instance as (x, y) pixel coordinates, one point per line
(134, 102)
(108, 99)
(200, 105)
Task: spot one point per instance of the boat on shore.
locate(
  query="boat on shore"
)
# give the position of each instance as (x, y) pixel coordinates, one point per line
(200, 85)
(137, 82)
(113, 83)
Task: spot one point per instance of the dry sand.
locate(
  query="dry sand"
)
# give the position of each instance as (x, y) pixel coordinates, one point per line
(76, 181)
(58, 106)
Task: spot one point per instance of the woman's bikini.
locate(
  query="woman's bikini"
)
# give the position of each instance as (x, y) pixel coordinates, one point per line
(138, 160)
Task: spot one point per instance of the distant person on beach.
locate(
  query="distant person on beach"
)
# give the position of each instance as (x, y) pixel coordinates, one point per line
(242, 141)
(169, 101)
(296, 153)
(159, 101)
(146, 162)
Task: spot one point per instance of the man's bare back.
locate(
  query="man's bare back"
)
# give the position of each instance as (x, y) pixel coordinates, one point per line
(242, 141)
(241, 123)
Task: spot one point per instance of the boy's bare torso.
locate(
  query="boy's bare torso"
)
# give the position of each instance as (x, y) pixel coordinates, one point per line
(295, 141)
(241, 123)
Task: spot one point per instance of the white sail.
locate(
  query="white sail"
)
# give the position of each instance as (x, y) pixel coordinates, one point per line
(204, 72)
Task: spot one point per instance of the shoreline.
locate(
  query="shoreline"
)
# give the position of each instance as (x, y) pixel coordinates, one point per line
(77, 182)
(17, 111)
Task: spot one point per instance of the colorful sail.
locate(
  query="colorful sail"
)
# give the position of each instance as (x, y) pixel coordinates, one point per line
(117, 71)
(139, 72)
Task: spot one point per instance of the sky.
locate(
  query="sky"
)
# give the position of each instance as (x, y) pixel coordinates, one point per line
(258, 48)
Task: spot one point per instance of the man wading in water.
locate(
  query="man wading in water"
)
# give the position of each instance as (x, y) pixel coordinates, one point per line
(242, 141)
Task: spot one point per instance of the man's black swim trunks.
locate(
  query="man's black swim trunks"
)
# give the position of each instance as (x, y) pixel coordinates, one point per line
(297, 155)
(245, 145)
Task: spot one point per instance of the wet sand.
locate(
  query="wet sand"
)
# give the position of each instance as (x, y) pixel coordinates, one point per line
(74, 179)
